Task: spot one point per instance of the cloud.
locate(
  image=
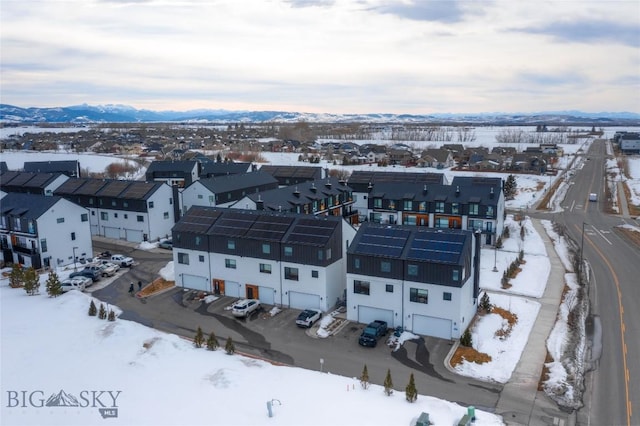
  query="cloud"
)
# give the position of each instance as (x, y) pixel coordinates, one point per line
(589, 31)
(310, 3)
(438, 11)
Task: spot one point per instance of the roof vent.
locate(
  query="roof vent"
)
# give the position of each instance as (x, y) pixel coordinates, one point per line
(424, 188)
(457, 190)
(370, 187)
(259, 198)
(296, 193)
(491, 193)
(313, 187)
(328, 184)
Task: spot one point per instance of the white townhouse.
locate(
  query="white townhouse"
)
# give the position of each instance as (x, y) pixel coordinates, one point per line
(31, 183)
(283, 259)
(128, 210)
(43, 231)
(424, 280)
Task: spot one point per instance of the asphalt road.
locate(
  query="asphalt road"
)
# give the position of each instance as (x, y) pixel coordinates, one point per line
(612, 396)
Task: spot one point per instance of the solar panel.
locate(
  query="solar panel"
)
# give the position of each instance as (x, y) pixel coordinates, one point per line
(233, 224)
(137, 190)
(70, 186)
(197, 220)
(312, 231)
(113, 188)
(6, 177)
(91, 187)
(38, 180)
(388, 242)
(21, 179)
(439, 247)
(268, 227)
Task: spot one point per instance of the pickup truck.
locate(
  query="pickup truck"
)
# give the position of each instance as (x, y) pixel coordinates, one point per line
(122, 260)
(372, 332)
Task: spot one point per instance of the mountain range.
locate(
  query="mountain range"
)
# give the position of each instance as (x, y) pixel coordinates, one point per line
(87, 114)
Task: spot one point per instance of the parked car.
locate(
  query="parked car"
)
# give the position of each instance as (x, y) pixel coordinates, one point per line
(308, 317)
(93, 273)
(122, 260)
(372, 332)
(78, 283)
(108, 269)
(245, 307)
(98, 261)
(166, 244)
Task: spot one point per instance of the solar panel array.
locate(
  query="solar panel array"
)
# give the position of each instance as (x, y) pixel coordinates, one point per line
(269, 228)
(70, 186)
(6, 177)
(21, 179)
(91, 187)
(311, 231)
(113, 188)
(197, 220)
(438, 247)
(38, 180)
(137, 190)
(388, 242)
(233, 224)
(365, 176)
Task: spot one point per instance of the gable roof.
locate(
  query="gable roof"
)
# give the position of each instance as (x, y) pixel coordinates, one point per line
(172, 166)
(16, 181)
(212, 169)
(302, 193)
(68, 167)
(132, 190)
(360, 179)
(27, 206)
(234, 182)
(300, 172)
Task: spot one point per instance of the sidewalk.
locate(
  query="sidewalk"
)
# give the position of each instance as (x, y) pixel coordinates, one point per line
(520, 402)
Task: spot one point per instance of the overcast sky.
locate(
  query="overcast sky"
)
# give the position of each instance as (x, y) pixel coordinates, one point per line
(342, 56)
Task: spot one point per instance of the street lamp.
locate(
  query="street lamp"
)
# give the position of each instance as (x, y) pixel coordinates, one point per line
(75, 268)
(495, 258)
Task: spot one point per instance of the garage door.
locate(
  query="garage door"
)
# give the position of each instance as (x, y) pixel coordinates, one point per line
(367, 314)
(196, 282)
(94, 230)
(231, 289)
(133, 235)
(432, 326)
(303, 300)
(111, 232)
(266, 295)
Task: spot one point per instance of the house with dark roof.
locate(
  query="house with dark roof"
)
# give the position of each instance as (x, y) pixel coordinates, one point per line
(127, 210)
(215, 169)
(282, 259)
(174, 173)
(436, 158)
(43, 232)
(423, 280)
(31, 183)
(320, 197)
(70, 168)
(293, 175)
(223, 191)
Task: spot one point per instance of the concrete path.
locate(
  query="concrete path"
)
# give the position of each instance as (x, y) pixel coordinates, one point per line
(520, 402)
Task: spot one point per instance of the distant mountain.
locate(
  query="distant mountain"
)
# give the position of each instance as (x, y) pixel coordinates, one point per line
(86, 114)
(62, 399)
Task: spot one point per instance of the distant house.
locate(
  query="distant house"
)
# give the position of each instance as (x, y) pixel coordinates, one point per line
(293, 175)
(31, 183)
(43, 231)
(70, 168)
(529, 162)
(437, 158)
(174, 173)
(215, 169)
(400, 156)
(630, 143)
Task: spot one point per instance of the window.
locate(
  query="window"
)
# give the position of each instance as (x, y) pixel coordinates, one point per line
(90, 200)
(84, 217)
(320, 254)
(113, 203)
(291, 273)
(456, 275)
(314, 274)
(140, 218)
(389, 288)
(446, 296)
(43, 245)
(199, 196)
(231, 244)
(125, 204)
(73, 236)
(419, 295)
(288, 251)
(439, 206)
(377, 203)
(473, 208)
(60, 220)
(166, 215)
(422, 206)
(356, 263)
(104, 216)
(265, 268)
(442, 222)
(361, 287)
(408, 205)
(183, 258)
(455, 208)
(150, 204)
(328, 254)
(489, 211)
(392, 205)
(412, 270)
(230, 263)
(266, 249)
(201, 258)
(475, 224)
(198, 240)
(93, 213)
(115, 215)
(126, 216)
(385, 266)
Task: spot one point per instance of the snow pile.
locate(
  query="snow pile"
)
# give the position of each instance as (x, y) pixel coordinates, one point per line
(167, 273)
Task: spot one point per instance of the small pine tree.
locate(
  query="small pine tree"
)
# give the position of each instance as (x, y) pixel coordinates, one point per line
(485, 303)
(16, 278)
(112, 316)
(102, 312)
(93, 311)
(510, 187)
(521, 256)
(230, 347)
(54, 288)
(411, 392)
(212, 342)
(199, 339)
(466, 339)
(364, 378)
(31, 281)
(388, 384)
(506, 232)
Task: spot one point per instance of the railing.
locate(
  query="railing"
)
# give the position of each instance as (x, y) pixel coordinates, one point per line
(25, 250)
(349, 213)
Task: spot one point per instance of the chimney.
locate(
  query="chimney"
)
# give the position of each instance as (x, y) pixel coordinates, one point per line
(328, 184)
(491, 193)
(457, 190)
(424, 188)
(370, 187)
(296, 193)
(313, 187)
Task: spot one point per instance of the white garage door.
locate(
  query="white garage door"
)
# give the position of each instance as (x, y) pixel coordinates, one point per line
(367, 314)
(231, 289)
(266, 295)
(303, 300)
(94, 230)
(196, 282)
(133, 235)
(432, 326)
(111, 232)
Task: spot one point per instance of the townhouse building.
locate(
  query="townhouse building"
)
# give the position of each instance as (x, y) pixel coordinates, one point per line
(294, 175)
(283, 259)
(43, 231)
(69, 168)
(174, 173)
(423, 280)
(31, 183)
(127, 210)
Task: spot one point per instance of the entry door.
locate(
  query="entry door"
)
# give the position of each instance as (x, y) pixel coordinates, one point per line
(218, 286)
(252, 291)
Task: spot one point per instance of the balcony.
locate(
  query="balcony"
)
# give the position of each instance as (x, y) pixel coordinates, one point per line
(25, 250)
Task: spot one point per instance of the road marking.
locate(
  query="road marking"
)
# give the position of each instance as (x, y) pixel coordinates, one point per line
(622, 326)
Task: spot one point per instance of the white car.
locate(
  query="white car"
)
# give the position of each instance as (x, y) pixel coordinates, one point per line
(308, 317)
(122, 260)
(108, 269)
(244, 308)
(99, 261)
(76, 283)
